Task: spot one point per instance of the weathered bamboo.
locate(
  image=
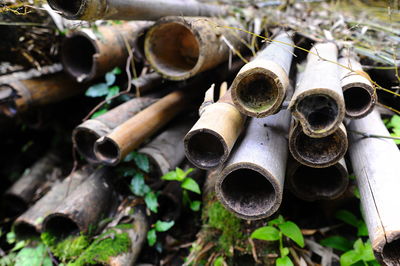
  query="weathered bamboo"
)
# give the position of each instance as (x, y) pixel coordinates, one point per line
(251, 182)
(126, 137)
(181, 47)
(376, 167)
(133, 9)
(85, 135)
(210, 141)
(84, 208)
(21, 194)
(260, 86)
(19, 96)
(88, 53)
(311, 184)
(317, 152)
(148, 82)
(166, 152)
(359, 94)
(318, 101)
(30, 223)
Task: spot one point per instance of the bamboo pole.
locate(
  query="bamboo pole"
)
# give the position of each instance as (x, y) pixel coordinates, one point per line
(110, 149)
(210, 141)
(19, 96)
(359, 94)
(84, 208)
(148, 82)
(181, 47)
(30, 223)
(311, 184)
(376, 167)
(317, 152)
(260, 86)
(86, 134)
(133, 9)
(88, 53)
(318, 99)
(250, 183)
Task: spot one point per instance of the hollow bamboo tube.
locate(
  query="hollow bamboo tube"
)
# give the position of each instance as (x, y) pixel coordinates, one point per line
(317, 152)
(88, 54)
(250, 183)
(84, 208)
(311, 184)
(359, 94)
(21, 194)
(210, 141)
(129, 135)
(85, 135)
(166, 152)
(260, 86)
(181, 47)
(30, 223)
(318, 99)
(133, 9)
(25, 94)
(376, 167)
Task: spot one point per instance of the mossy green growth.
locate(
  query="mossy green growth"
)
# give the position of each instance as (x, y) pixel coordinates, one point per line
(67, 249)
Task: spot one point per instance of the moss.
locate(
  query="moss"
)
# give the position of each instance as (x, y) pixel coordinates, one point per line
(68, 249)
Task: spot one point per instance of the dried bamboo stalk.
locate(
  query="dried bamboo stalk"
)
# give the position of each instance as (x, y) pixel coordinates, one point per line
(376, 167)
(260, 86)
(181, 47)
(317, 152)
(318, 101)
(250, 183)
(148, 82)
(359, 94)
(133, 9)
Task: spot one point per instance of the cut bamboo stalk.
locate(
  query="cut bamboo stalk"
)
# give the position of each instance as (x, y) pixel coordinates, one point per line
(133, 9)
(88, 53)
(126, 137)
(250, 183)
(311, 184)
(30, 223)
(359, 94)
(19, 96)
(21, 194)
(210, 141)
(260, 86)
(84, 208)
(376, 167)
(318, 101)
(166, 152)
(85, 135)
(181, 47)
(148, 82)
(317, 152)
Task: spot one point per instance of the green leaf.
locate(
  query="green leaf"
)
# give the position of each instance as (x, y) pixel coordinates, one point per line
(219, 261)
(191, 184)
(349, 258)
(356, 192)
(284, 261)
(337, 242)
(151, 201)
(292, 231)
(277, 221)
(114, 90)
(180, 174)
(99, 113)
(19, 245)
(97, 90)
(362, 229)
(33, 257)
(116, 71)
(110, 78)
(161, 226)
(142, 161)
(195, 205)
(138, 186)
(267, 233)
(10, 237)
(284, 252)
(367, 252)
(352, 177)
(347, 217)
(151, 237)
(170, 176)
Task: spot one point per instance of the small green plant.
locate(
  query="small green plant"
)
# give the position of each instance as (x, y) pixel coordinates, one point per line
(275, 231)
(187, 183)
(393, 124)
(350, 219)
(159, 226)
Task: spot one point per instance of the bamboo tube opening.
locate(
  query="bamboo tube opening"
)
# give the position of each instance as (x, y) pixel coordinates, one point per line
(25, 230)
(248, 193)
(107, 151)
(77, 55)
(391, 253)
(357, 100)
(60, 226)
(320, 111)
(173, 49)
(69, 7)
(257, 92)
(85, 140)
(205, 149)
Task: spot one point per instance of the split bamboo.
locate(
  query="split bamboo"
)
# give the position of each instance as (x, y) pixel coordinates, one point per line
(260, 86)
(318, 101)
(376, 167)
(250, 183)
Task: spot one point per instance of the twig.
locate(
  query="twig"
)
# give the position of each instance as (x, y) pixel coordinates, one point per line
(367, 135)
